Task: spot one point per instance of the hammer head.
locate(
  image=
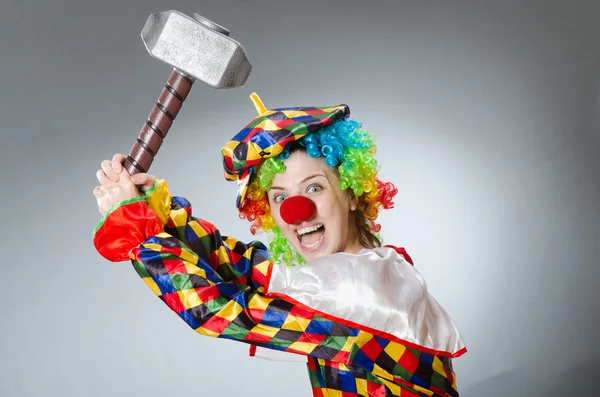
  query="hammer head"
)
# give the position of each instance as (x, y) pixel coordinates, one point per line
(201, 50)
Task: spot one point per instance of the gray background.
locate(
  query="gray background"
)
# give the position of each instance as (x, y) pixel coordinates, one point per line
(487, 116)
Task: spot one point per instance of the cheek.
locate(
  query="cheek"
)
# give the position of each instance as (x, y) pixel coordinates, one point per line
(332, 209)
(277, 217)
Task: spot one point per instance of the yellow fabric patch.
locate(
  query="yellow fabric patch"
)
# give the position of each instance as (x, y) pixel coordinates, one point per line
(198, 229)
(189, 256)
(267, 113)
(394, 388)
(362, 339)
(203, 331)
(179, 217)
(222, 255)
(159, 200)
(305, 347)
(334, 393)
(349, 343)
(230, 311)
(438, 366)
(268, 124)
(153, 247)
(230, 242)
(259, 302)
(423, 390)
(377, 370)
(253, 152)
(152, 285)
(189, 298)
(193, 269)
(292, 114)
(295, 323)
(361, 386)
(263, 267)
(395, 350)
(266, 330)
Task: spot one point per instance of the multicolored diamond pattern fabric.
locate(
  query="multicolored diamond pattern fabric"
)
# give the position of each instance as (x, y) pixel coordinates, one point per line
(216, 285)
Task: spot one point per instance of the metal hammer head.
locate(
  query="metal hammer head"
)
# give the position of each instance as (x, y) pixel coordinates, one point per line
(199, 48)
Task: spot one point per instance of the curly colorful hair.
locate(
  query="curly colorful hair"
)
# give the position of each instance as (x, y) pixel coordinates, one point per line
(350, 150)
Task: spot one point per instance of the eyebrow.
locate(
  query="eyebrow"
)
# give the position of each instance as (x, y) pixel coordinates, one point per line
(304, 180)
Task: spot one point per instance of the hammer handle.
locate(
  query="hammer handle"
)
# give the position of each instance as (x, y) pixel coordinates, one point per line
(159, 121)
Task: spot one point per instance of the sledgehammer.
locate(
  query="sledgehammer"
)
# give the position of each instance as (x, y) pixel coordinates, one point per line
(198, 49)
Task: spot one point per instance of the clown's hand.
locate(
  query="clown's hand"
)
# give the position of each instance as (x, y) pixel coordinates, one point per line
(116, 185)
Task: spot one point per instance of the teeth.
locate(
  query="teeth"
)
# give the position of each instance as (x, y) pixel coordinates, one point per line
(316, 243)
(309, 229)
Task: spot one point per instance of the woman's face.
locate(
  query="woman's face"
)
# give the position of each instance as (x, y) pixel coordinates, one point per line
(330, 230)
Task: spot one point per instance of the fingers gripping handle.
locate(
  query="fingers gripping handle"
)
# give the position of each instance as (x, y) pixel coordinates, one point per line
(159, 121)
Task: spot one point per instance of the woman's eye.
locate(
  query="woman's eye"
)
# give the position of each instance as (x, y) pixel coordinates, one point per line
(313, 189)
(279, 198)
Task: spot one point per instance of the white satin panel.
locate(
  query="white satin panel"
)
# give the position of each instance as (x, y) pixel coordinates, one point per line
(376, 288)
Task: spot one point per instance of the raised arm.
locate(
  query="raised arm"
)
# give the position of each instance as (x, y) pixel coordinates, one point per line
(216, 285)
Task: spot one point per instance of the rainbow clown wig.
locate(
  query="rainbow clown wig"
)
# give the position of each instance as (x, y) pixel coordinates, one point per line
(257, 153)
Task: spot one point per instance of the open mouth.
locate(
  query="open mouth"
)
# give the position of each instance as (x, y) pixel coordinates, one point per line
(311, 237)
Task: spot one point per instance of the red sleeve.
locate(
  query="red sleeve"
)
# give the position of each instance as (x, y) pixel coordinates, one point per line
(127, 227)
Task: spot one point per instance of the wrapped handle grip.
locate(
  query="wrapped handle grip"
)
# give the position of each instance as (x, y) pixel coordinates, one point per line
(159, 121)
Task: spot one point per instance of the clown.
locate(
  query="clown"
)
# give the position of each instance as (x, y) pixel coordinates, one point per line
(325, 292)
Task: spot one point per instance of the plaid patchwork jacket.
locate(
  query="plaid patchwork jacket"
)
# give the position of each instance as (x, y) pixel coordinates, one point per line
(216, 284)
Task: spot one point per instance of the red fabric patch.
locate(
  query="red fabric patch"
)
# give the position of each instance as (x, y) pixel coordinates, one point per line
(170, 223)
(174, 266)
(251, 133)
(342, 357)
(317, 392)
(208, 293)
(234, 257)
(408, 361)
(449, 374)
(332, 364)
(258, 277)
(125, 228)
(256, 314)
(254, 337)
(311, 338)
(216, 324)
(213, 259)
(372, 349)
(241, 280)
(284, 123)
(406, 392)
(376, 390)
(173, 301)
(208, 227)
(300, 312)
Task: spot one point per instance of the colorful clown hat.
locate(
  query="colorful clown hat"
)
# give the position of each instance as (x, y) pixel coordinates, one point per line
(267, 135)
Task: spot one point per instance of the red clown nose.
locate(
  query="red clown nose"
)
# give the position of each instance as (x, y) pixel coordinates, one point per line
(297, 209)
